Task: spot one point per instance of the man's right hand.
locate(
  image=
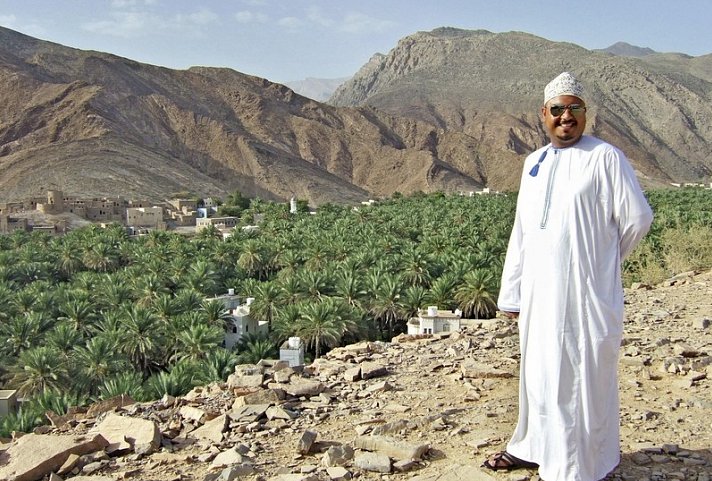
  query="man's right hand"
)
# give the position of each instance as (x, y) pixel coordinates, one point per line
(510, 314)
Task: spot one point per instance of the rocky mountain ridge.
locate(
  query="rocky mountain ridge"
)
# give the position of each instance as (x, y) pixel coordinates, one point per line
(422, 408)
(489, 87)
(95, 124)
(448, 110)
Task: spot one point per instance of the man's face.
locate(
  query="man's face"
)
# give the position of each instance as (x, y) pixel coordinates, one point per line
(567, 128)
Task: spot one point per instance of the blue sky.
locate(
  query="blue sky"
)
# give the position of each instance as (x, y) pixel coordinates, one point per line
(286, 40)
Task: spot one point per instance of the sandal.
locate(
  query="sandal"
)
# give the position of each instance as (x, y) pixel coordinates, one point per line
(504, 460)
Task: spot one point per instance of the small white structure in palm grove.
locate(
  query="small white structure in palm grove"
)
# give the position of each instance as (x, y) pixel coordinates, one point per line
(292, 351)
(240, 323)
(434, 321)
(8, 402)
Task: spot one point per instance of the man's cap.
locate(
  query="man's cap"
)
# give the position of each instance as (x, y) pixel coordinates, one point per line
(564, 84)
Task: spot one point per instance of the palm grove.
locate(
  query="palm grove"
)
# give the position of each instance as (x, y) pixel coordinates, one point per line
(94, 313)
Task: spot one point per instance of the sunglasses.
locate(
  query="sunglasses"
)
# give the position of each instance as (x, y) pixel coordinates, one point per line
(558, 110)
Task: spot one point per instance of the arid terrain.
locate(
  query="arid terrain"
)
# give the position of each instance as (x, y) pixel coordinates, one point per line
(425, 409)
(449, 110)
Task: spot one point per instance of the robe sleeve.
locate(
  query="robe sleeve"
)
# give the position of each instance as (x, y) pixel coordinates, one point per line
(631, 211)
(509, 293)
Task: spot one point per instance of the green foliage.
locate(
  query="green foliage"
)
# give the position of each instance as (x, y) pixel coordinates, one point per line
(56, 401)
(177, 381)
(24, 420)
(253, 347)
(679, 240)
(95, 313)
(127, 382)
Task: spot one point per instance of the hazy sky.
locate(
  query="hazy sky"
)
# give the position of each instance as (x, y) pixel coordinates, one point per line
(285, 40)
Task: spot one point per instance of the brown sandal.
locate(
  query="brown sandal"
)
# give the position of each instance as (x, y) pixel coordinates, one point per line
(504, 460)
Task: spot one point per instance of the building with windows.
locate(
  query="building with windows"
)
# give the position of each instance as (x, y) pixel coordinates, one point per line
(240, 322)
(145, 217)
(434, 321)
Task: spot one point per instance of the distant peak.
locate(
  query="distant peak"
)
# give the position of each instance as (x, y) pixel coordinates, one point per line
(623, 49)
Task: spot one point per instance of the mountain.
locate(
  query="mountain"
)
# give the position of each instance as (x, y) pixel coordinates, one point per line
(624, 49)
(320, 89)
(488, 87)
(94, 124)
(447, 110)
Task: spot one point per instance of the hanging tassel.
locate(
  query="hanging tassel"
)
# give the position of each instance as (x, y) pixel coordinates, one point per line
(535, 169)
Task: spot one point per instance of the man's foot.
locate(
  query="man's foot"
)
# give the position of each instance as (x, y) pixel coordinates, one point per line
(504, 460)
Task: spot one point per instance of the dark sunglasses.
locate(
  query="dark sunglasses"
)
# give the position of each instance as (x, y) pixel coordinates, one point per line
(575, 109)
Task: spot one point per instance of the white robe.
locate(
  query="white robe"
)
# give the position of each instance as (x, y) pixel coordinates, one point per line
(576, 221)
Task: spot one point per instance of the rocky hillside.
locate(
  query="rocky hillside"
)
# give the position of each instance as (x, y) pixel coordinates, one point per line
(90, 123)
(426, 409)
(489, 87)
(447, 110)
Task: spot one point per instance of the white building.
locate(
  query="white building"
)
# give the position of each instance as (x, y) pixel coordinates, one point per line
(221, 223)
(240, 323)
(292, 351)
(434, 321)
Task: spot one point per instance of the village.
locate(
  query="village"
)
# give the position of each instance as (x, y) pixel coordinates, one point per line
(139, 216)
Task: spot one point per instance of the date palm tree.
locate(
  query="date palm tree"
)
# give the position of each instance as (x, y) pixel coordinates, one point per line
(476, 296)
(285, 323)
(37, 369)
(315, 284)
(197, 341)
(414, 298)
(215, 313)
(23, 302)
(442, 292)
(291, 290)
(347, 286)
(63, 338)
(254, 347)
(189, 300)
(386, 305)
(267, 302)
(142, 337)
(127, 382)
(181, 378)
(414, 267)
(69, 259)
(252, 259)
(95, 362)
(22, 332)
(149, 287)
(79, 313)
(201, 277)
(218, 365)
(101, 257)
(320, 326)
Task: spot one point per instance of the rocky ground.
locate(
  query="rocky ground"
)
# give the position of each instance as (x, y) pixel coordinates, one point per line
(423, 409)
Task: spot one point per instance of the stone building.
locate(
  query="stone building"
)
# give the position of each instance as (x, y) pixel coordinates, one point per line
(145, 217)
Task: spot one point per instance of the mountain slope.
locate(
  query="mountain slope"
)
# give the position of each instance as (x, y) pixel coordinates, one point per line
(447, 110)
(96, 124)
(489, 87)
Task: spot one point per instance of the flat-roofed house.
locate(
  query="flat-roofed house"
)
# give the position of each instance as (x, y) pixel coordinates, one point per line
(434, 321)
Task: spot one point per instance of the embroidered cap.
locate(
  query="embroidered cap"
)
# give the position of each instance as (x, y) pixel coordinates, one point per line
(564, 84)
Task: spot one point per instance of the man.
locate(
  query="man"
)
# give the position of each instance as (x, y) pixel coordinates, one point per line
(580, 212)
